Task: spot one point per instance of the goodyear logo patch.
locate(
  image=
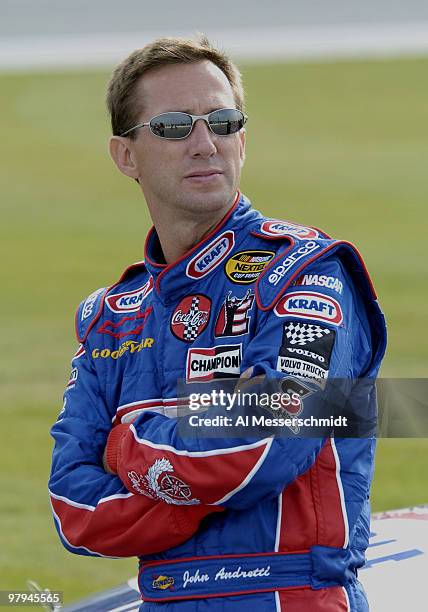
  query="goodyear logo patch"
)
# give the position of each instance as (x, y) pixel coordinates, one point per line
(246, 266)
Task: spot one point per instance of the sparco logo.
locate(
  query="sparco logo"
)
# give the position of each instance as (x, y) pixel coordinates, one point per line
(284, 228)
(310, 305)
(216, 362)
(289, 262)
(130, 301)
(211, 256)
(191, 317)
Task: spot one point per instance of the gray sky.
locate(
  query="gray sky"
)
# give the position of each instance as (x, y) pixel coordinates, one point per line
(56, 17)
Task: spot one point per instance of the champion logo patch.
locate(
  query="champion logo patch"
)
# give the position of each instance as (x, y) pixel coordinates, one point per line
(217, 362)
(310, 305)
(191, 317)
(205, 261)
(129, 301)
(277, 228)
(233, 318)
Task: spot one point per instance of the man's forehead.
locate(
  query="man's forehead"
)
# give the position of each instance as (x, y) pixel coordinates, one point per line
(195, 88)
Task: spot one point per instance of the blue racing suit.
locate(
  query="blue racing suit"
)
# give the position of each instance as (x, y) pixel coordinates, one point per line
(221, 523)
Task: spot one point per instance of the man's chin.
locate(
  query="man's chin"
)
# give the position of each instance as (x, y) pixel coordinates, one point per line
(205, 200)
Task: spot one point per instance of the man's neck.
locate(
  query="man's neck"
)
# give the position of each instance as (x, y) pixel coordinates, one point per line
(178, 238)
(179, 233)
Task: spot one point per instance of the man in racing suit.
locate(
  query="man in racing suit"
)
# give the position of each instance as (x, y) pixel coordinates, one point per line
(219, 523)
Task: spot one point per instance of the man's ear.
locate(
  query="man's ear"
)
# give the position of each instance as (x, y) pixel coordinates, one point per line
(242, 136)
(122, 155)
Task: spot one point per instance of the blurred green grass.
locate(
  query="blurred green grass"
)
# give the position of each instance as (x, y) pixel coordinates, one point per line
(342, 146)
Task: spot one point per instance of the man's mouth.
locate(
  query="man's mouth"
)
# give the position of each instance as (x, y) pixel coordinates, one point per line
(203, 176)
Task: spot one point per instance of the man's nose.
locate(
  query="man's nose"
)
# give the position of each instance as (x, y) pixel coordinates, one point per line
(201, 140)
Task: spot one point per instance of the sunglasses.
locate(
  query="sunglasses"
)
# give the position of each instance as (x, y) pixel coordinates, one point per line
(177, 125)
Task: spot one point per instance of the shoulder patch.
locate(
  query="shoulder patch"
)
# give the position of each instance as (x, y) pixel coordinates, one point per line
(90, 309)
(275, 229)
(291, 261)
(285, 267)
(89, 312)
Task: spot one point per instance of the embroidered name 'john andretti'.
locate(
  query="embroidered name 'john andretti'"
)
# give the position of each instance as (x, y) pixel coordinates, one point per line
(289, 262)
(211, 256)
(310, 305)
(222, 574)
(246, 266)
(276, 227)
(130, 301)
(217, 362)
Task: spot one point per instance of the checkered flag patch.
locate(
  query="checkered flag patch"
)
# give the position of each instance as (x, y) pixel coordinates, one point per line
(191, 329)
(304, 333)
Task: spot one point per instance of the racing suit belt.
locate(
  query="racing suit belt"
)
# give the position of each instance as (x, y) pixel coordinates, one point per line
(225, 575)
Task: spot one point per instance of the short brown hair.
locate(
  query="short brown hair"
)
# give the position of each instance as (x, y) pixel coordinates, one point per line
(121, 105)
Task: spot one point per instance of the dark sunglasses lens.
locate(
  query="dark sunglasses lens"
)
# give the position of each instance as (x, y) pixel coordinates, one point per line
(171, 125)
(226, 121)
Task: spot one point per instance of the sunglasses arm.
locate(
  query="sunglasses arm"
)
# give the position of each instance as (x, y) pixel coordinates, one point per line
(139, 125)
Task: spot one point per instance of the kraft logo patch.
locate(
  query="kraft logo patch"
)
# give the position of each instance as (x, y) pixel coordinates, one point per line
(217, 362)
(191, 317)
(310, 305)
(246, 266)
(129, 301)
(277, 228)
(205, 261)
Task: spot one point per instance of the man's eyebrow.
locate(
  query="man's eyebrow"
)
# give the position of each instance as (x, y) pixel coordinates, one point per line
(211, 109)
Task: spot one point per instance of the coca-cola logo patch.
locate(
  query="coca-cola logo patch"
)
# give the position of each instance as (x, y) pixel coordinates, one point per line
(191, 317)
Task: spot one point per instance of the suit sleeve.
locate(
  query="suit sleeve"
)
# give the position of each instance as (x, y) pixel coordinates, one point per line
(330, 326)
(94, 513)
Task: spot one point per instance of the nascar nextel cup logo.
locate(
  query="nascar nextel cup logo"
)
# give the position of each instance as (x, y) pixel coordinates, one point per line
(211, 256)
(217, 362)
(310, 305)
(289, 262)
(284, 228)
(130, 301)
(246, 266)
